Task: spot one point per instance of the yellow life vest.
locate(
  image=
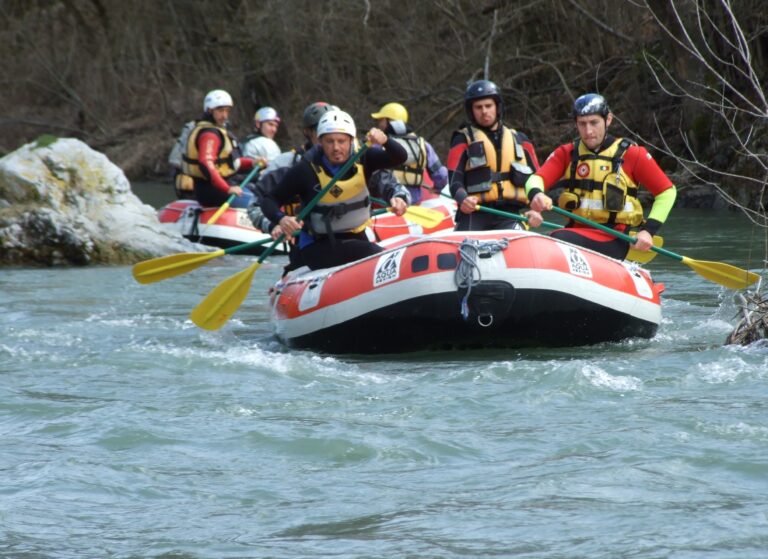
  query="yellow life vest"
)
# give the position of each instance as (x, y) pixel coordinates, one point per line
(488, 177)
(411, 173)
(345, 208)
(225, 163)
(597, 188)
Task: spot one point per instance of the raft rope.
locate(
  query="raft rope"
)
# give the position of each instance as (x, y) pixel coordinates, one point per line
(468, 272)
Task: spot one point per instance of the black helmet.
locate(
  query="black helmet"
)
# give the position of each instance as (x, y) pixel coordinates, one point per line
(313, 112)
(590, 104)
(481, 89)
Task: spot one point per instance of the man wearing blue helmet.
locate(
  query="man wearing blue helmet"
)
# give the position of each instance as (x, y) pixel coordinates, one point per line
(600, 175)
(488, 163)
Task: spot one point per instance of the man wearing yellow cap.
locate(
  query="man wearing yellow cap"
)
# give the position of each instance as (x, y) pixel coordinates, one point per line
(392, 119)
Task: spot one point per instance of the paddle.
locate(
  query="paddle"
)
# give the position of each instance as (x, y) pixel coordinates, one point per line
(718, 272)
(640, 256)
(635, 255)
(426, 217)
(215, 217)
(165, 267)
(221, 303)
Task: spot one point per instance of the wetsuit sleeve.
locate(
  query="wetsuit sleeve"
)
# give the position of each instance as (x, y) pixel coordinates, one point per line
(550, 172)
(382, 184)
(530, 151)
(662, 205)
(244, 164)
(643, 168)
(393, 154)
(437, 171)
(299, 180)
(457, 161)
(209, 144)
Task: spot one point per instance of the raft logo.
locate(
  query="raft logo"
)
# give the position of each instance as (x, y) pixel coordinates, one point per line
(577, 263)
(388, 268)
(583, 170)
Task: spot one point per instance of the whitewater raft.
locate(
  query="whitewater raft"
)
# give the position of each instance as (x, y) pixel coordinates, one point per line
(467, 290)
(189, 219)
(232, 228)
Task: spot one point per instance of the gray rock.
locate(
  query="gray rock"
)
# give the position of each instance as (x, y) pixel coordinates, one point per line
(62, 203)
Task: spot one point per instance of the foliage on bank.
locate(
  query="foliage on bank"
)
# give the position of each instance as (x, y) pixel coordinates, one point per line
(124, 76)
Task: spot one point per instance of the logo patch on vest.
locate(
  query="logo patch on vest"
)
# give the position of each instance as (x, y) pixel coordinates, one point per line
(604, 167)
(336, 191)
(583, 170)
(388, 268)
(577, 263)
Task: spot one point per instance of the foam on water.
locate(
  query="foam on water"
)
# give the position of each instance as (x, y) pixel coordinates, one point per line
(128, 432)
(602, 379)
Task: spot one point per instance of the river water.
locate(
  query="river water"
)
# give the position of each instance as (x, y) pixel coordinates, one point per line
(127, 432)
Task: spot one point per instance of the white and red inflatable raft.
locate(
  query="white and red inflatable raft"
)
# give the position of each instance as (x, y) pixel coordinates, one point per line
(232, 228)
(467, 290)
(189, 219)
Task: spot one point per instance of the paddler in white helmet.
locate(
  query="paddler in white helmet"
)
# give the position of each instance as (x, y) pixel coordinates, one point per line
(334, 231)
(212, 157)
(261, 144)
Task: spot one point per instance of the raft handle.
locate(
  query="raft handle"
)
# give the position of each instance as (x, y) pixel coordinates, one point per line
(487, 317)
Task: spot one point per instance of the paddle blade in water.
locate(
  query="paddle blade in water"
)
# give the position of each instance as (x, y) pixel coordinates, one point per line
(426, 217)
(164, 267)
(221, 303)
(724, 274)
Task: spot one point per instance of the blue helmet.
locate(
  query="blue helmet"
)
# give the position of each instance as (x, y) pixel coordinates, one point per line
(590, 104)
(481, 89)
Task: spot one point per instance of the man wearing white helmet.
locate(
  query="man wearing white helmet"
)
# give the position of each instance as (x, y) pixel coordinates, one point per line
(261, 144)
(212, 155)
(334, 231)
(276, 170)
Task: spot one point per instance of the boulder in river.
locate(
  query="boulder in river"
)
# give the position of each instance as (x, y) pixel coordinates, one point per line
(62, 203)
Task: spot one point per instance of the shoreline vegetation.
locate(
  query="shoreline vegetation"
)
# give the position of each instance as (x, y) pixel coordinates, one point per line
(682, 77)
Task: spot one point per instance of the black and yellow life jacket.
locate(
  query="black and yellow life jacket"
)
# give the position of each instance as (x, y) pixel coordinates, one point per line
(225, 159)
(488, 174)
(411, 173)
(597, 188)
(345, 208)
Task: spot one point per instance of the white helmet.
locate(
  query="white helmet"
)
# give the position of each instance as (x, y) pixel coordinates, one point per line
(217, 98)
(336, 122)
(266, 113)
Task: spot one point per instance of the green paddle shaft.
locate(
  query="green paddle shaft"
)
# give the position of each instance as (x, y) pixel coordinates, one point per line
(518, 217)
(619, 234)
(215, 217)
(308, 208)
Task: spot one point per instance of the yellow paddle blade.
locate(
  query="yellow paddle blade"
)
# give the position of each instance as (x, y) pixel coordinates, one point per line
(426, 217)
(724, 274)
(221, 303)
(164, 267)
(643, 257)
